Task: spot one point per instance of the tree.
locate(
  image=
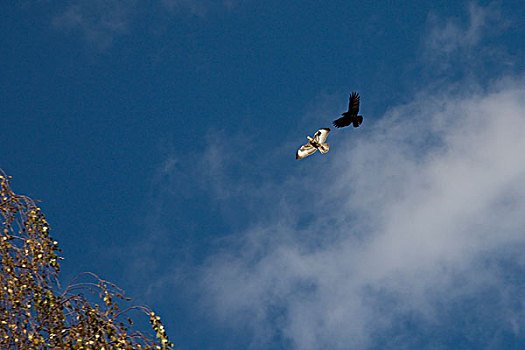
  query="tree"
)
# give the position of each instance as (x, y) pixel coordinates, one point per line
(36, 313)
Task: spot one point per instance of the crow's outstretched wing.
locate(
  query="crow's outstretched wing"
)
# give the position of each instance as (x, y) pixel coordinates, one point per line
(305, 151)
(353, 103)
(321, 135)
(345, 120)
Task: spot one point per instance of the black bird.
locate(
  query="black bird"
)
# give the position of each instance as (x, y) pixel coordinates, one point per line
(350, 116)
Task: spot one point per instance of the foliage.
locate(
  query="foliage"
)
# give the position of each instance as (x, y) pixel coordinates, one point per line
(35, 314)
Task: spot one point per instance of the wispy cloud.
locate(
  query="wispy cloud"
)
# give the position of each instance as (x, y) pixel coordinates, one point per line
(451, 42)
(413, 221)
(450, 35)
(101, 22)
(199, 7)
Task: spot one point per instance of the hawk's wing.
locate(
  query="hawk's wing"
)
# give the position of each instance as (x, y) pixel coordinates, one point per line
(353, 103)
(305, 151)
(321, 135)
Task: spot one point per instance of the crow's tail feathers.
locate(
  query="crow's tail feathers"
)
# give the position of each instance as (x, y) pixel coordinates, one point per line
(357, 121)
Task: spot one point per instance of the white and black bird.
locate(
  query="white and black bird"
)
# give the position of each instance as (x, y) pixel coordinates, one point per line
(350, 116)
(314, 143)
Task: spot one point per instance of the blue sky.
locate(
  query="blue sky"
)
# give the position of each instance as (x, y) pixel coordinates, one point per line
(161, 140)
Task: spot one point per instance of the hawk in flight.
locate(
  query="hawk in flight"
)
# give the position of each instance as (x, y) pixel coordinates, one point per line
(350, 116)
(317, 142)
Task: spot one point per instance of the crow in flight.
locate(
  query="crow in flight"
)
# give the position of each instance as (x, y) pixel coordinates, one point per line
(317, 142)
(351, 115)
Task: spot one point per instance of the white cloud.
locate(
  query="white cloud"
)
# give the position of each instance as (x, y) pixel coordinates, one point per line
(412, 221)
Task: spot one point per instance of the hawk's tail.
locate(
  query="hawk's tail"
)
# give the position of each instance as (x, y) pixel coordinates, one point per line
(324, 148)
